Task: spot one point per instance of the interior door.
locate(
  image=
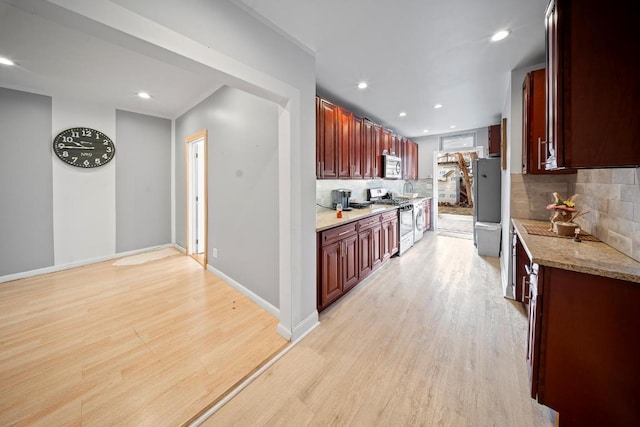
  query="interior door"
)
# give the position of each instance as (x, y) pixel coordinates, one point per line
(196, 196)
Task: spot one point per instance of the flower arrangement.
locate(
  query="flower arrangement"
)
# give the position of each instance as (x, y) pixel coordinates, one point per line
(564, 211)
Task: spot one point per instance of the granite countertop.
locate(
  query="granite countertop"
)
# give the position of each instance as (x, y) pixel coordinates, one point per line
(595, 258)
(326, 218)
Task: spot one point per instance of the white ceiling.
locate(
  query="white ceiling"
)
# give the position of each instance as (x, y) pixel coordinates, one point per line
(59, 53)
(413, 54)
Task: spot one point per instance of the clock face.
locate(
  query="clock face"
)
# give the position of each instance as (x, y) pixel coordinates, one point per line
(84, 147)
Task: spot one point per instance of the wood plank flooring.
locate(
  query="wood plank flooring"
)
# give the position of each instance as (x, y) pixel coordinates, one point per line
(151, 344)
(428, 340)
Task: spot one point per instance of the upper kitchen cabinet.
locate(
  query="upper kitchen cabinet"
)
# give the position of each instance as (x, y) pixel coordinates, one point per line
(409, 155)
(326, 140)
(534, 121)
(369, 166)
(593, 92)
(494, 140)
(348, 147)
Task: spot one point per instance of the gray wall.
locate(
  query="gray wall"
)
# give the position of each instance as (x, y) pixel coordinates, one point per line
(143, 181)
(232, 31)
(242, 149)
(26, 193)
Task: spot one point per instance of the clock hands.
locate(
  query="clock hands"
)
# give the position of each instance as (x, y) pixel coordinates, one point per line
(81, 147)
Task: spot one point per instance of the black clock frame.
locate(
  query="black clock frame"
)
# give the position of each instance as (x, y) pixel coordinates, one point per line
(84, 147)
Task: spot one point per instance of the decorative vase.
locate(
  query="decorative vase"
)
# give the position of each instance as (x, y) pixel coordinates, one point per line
(565, 228)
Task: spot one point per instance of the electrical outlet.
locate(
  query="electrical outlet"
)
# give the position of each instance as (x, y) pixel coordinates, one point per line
(214, 252)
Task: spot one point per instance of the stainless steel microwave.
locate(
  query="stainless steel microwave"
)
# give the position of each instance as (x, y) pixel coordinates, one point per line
(392, 167)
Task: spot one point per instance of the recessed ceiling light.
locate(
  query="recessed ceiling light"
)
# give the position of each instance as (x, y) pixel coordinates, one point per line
(426, 131)
(362, 85)
(436, 106)
(499, 35)
(452, 127)
(402, 114)
(144, 95)
(6, 61)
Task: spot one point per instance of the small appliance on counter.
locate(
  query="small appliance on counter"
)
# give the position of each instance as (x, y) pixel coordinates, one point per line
(341, 195)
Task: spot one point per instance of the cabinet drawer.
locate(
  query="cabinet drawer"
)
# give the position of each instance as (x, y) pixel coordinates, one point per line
(363, 224)
(338, 233)
(388, 216)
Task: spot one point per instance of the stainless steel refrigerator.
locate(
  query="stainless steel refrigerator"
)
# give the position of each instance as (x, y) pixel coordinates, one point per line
(487, 189)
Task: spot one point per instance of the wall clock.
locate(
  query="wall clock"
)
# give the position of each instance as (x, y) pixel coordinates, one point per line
(84, 147)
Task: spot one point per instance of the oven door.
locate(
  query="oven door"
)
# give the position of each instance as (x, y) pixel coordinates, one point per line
(406, 221)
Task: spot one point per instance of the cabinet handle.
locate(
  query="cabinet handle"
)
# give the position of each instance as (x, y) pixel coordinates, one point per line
(525, 297)
(541, 163)
(344, 232)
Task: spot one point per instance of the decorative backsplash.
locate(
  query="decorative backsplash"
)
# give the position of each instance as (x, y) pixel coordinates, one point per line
(611, 197)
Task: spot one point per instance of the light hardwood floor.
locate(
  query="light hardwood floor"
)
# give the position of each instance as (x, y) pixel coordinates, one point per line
(429, 340)
(151, 344)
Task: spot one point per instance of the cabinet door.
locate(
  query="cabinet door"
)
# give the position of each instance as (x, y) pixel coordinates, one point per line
(326, 145)
(520, 282)
(410, 160)
(555, 154)
(394, 237)
(368, 147)
(350, 262)
(376, 246)
(377, 151)
(494, 140)
(593, 89)
(331, 277)
(364, 253)
(389, 238)
(533, 341)
(357, 152)
(345, 142)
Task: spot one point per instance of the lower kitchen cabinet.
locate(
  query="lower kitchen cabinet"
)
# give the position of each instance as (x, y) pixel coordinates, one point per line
(583, 348)
(520, 262)
(390, 238)
(349, 253)
(338, 261)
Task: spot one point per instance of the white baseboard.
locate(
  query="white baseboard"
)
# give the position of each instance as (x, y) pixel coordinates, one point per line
(56, 268)
(270, 308)
(301, 329)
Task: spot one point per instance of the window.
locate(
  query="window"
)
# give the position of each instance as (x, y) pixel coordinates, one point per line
(455, 142)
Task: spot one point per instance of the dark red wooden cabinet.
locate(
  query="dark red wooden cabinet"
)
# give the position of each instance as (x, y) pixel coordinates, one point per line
(592, 89)
(349, 253)
(327, 140)
(583, 350)
(494, 139)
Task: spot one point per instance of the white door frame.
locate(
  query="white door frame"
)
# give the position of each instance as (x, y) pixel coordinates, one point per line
(190, 194)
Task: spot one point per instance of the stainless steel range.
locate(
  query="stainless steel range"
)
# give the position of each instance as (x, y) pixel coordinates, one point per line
(383, 196)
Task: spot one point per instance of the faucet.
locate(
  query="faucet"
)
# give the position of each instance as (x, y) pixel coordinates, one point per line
(408, 185)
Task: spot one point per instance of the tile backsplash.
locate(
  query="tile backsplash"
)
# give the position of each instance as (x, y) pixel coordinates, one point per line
(530, 194)
(359, 188)
(611, 198)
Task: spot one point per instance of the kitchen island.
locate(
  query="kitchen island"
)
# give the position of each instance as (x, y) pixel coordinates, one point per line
(583, 350)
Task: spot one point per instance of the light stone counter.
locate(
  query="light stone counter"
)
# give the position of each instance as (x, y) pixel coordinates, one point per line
(326, 218)
(595, 258)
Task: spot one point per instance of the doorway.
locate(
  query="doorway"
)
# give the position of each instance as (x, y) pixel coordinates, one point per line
(196, 196)
(453, 179)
